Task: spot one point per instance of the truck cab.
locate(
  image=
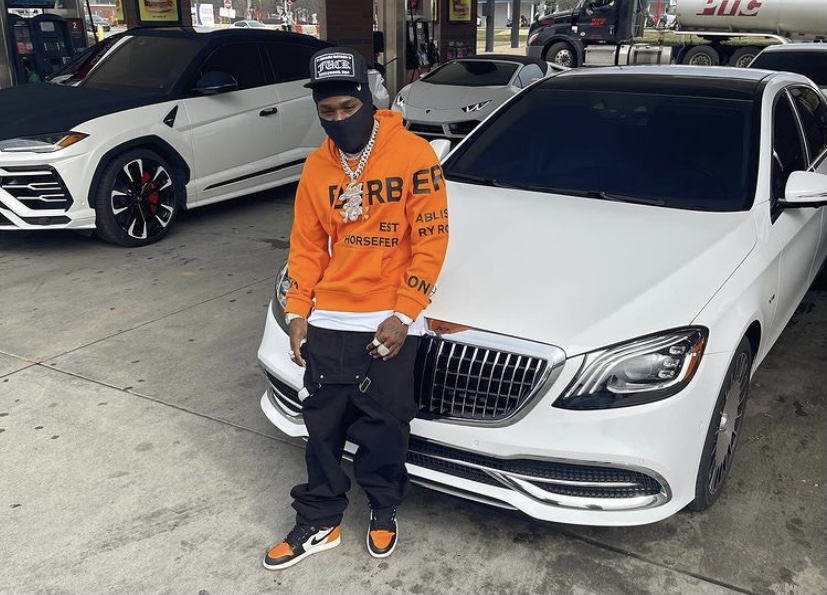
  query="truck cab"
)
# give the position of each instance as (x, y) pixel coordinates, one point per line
(564, 36)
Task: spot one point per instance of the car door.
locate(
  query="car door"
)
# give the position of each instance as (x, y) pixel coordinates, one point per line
(812, 111)
(799, 142)
(236, 135)
(301, 131)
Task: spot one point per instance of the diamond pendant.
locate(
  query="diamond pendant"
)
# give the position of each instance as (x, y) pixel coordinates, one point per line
(352, 197)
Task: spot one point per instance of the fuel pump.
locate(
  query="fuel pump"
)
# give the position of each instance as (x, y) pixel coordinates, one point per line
(422, 52)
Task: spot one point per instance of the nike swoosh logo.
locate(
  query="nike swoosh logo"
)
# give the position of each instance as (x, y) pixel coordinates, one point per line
(317, 541)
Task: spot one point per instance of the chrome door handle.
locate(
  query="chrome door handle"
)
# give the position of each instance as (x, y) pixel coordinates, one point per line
(269, 111)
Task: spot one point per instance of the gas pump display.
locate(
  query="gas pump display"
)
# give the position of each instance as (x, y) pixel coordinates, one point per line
(40, 45)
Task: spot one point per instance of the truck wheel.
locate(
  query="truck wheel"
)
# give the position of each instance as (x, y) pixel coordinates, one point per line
(743, 56)
(701, 55)
(562, 54)
(722, 435)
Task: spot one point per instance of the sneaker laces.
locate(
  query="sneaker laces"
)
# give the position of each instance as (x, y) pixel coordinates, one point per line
(299, 534)
(383, 520)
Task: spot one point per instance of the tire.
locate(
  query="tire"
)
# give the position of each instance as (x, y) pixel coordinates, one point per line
(701, 55)
(137, 199)
(724, 428)
(562, 54)
(742, 57)
(820, 281)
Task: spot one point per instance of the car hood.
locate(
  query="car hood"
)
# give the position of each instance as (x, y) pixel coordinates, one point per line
(581, 273)
(40, 108)
(450, 97)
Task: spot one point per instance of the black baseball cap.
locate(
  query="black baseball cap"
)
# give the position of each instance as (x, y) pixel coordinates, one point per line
(337, 65)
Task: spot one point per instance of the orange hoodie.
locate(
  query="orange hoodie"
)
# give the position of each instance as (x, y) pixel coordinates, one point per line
(386, 260)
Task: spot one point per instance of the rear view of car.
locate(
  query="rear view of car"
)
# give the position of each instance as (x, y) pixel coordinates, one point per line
(809, 59)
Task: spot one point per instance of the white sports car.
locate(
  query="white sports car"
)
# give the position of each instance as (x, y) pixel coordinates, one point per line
(617, 270)
(451, 100)
(153, 121)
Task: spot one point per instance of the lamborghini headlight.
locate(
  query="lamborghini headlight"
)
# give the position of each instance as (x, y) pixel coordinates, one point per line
(641, 371)
(41, 143)
(475, 107)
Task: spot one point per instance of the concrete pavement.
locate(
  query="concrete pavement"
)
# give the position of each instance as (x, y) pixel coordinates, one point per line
(134, 457)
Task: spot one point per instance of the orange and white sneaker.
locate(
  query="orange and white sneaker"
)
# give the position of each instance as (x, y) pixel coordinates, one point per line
(382, 533)
(302, 541)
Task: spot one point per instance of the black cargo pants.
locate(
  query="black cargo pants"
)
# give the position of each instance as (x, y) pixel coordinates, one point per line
(369, 402)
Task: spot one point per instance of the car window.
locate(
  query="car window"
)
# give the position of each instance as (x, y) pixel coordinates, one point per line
(648, 146)
(290, 61)
(472, 73)
(528, 75)
(143, 62)
(81, 64)
(787, 145)
(240, 60)
(811, 64)
(813, 114)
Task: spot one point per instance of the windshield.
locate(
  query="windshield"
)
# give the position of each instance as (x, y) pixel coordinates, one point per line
(473, 73)
(673, 151)
(811, 64)
(142, 62)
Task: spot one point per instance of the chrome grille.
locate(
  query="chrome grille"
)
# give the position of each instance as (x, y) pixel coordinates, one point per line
(38, 188)
(469, 382)
(284, 394)
(568, 479)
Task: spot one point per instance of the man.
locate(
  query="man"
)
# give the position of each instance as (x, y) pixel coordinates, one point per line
(369, 236)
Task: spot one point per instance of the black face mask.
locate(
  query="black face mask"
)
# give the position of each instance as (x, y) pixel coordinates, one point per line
(351, 134)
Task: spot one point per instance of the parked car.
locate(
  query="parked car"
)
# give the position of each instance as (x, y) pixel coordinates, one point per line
(454, 98)
(249, 24)
(809, 59)
(97, 21)
(152, 121)
(611, 285)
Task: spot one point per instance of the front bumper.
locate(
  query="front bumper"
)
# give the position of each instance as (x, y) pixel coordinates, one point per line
(450, 130)
(628, 466)
(40, 192)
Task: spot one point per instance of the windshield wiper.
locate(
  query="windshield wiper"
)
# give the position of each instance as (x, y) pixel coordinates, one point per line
(493, 182)
(601, 194)
(630, 198)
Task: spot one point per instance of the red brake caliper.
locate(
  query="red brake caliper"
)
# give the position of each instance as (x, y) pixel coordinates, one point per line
(151, 191)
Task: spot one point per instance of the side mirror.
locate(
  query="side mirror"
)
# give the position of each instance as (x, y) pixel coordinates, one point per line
(441, 146)
(805, 189)
(214, 83)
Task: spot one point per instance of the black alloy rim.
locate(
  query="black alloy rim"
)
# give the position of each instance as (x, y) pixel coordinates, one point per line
(143, 198)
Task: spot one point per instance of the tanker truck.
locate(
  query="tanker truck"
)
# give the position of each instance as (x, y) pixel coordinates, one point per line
(603, 32)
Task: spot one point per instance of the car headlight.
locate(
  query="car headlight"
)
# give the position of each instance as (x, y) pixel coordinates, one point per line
(475, 107)
(280, 296)
(41, 143)
(641, 371)
(399, 103)
(531, 38)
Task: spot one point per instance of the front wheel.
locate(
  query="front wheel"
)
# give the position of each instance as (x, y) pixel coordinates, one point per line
(722, 435)
(137, 199)
(562, 54)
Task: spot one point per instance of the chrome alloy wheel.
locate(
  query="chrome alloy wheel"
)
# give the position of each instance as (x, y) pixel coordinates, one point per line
(729, 424)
